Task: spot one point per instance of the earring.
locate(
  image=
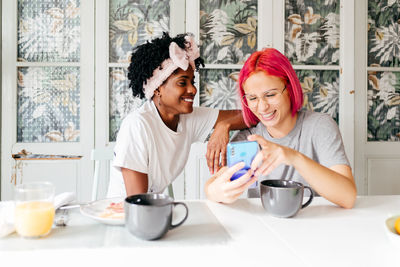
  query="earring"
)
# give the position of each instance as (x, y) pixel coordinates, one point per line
(159, 96)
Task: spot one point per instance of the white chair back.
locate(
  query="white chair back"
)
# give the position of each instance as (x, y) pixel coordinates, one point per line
(99, 155)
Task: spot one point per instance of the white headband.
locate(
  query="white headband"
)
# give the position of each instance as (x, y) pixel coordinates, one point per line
(178, 58)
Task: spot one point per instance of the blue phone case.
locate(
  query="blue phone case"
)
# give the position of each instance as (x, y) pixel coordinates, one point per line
(241, 151)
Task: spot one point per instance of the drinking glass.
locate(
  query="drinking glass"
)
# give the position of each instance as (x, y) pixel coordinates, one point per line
(34, 210)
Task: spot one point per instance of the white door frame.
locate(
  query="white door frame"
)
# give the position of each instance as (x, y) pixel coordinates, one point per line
(9, 143)
(368, 153)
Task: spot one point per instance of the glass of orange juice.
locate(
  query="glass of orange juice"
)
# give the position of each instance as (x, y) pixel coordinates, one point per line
(34, 209)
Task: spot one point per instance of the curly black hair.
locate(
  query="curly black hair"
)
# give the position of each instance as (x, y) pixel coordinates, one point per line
(149, 56)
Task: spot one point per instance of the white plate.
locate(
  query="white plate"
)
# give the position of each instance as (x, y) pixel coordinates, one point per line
(96, 209)
(391, 232)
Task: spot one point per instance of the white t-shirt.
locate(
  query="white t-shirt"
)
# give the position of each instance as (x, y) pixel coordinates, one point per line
(145, 144)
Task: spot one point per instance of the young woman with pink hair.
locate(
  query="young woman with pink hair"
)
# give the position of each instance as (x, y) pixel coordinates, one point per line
(297, 145)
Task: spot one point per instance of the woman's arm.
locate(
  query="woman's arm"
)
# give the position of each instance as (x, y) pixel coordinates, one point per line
(135, 182)
(335, 183)
(227, 120)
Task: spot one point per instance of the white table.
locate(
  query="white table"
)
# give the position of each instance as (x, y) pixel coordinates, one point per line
(326, 235)
(240, 234)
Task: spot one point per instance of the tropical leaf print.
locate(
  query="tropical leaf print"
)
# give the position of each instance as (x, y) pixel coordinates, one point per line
(218, 89)
(320, 91)
(383, 106)
(48, 107)
(132, 23)
(384, 33)
(312, 32)
(228, 31)
(121, 100)
(49, 31)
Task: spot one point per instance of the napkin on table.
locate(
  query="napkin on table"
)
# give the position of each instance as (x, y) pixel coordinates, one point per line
(7, 211)
(63, 199)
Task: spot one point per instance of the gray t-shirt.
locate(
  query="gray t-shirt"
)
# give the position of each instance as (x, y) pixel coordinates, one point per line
(315, 135)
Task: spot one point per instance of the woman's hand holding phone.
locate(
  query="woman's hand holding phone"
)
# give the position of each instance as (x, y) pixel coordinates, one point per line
(220, 188)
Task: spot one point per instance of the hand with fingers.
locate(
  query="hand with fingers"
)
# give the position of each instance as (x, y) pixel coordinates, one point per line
(270, 156)
(216, 148)
(220, 188)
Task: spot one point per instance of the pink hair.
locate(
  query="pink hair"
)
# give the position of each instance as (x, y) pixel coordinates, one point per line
(273, 63)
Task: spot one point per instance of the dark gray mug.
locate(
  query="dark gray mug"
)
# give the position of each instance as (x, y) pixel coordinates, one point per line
(149, 216)
(283, 198)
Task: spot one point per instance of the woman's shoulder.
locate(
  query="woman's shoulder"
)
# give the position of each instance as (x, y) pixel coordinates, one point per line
(143, 113)
(137, 119)
(319, 125)
(133, 117)
(311, 118)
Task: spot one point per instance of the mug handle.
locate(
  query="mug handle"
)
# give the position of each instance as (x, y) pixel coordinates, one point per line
(184, 219)
(310, 199)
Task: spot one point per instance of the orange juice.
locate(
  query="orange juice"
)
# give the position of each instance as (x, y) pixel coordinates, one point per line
(34, 218)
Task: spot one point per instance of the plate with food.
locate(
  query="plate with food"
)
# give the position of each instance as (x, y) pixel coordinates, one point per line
(392, 226)
(108, 211)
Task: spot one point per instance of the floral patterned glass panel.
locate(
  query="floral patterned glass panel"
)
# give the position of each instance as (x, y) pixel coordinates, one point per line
(228, 30)
(48, 104)
(121, 100)
(384, 33)
(133, 22)
(49, 31)
(320, 91)
(312, 32)
(218, 89)
(383, 106)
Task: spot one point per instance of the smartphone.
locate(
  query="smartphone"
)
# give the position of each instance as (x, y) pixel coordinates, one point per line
(241, 151)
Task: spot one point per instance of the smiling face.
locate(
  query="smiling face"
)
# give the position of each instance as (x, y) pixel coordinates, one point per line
(276, 114)
(177, 93)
